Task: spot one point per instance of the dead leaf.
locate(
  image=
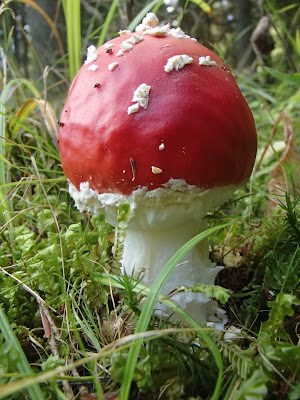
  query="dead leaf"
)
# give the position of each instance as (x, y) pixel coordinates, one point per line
(112, 395)
(107, 396)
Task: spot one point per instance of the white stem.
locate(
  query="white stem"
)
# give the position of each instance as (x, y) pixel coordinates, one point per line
(147, 251)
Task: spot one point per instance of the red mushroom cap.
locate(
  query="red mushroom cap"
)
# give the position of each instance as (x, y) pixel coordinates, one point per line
(197, 126)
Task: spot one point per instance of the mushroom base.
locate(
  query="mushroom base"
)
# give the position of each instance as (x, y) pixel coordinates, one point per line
(160, 222)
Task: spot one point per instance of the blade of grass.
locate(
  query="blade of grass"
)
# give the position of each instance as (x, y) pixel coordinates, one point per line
(72, 17)
(147, 311)
(157, 7)
(25, 110)
(107, 22)
(13, 85)
(290, 78)
(255, 89)
(23, 366)
(85, 326)
(4, 205)
(34, 182)
(99, 391)
(203, 5)
(4, 160)
(138, 18)
(22, 113)
(45, 146)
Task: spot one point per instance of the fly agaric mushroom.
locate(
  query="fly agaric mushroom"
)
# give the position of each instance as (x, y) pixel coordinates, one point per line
(157, 121)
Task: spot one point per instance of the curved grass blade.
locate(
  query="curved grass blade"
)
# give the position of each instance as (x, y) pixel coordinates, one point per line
(23, 366)
(22, 113)
(147, 311)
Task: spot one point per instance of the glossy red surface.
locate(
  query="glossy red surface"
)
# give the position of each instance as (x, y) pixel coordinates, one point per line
(198, 113)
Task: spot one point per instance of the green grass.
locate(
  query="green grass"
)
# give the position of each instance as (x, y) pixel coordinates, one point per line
(73, 22)
(69, 322)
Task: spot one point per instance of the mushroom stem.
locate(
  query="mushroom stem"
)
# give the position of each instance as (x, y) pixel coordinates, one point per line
(159, 223)
(146, 251)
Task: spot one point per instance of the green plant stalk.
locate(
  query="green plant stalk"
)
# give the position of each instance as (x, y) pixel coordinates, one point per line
(147, 311)
(138, 18)
(97, 383)
(4, 206)
(72, 17)
(107, 22)
(157, 7)
(74, 320)
(228, 394)
(23, 366)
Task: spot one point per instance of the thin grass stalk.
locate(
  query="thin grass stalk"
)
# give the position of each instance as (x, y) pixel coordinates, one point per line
(153, 5)
(64, 285)
(23, 366)
(72, 17)
(99, 390)
(147, 311)
(3, 201)
(85, 326)
(33, 181)
(157, 7)
(235, 381)
(107, 22)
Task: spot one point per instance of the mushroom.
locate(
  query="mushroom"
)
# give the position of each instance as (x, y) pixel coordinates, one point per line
(168, 131)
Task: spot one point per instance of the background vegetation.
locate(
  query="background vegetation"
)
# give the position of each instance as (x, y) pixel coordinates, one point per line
(71, 327)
